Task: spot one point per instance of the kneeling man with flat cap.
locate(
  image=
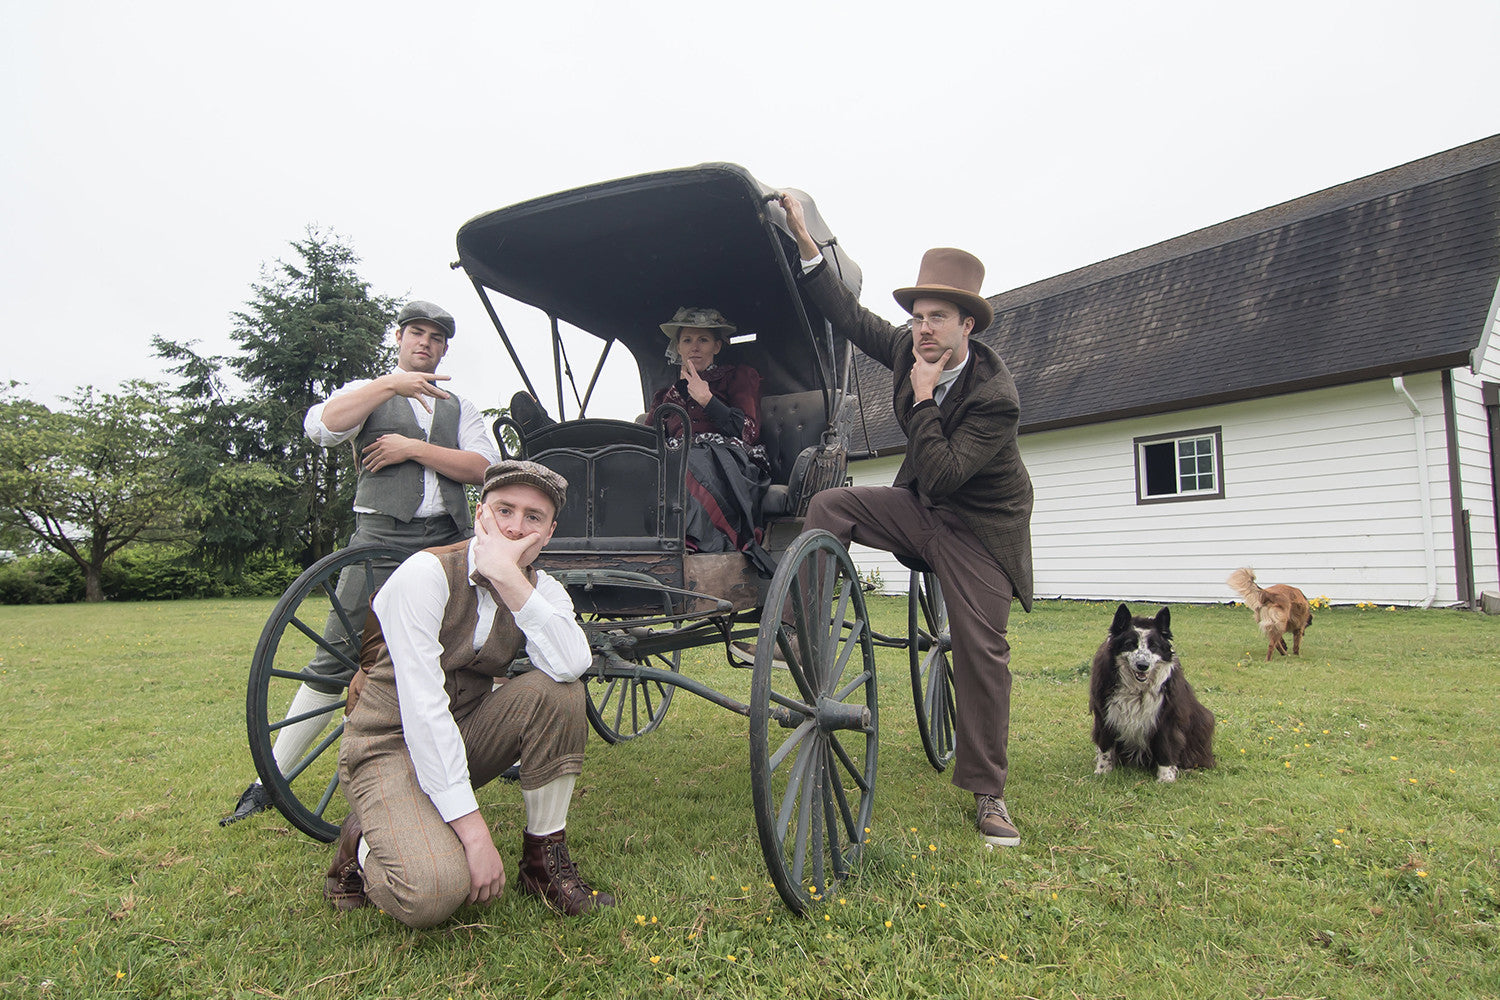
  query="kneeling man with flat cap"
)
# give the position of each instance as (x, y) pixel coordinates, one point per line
(427, 724)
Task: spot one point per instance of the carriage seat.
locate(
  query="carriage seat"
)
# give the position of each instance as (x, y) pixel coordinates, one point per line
(791, 430)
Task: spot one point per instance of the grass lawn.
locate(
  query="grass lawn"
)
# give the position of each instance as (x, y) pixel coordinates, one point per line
(1345, 847)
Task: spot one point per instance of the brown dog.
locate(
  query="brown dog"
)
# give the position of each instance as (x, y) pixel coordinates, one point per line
(1279, 609)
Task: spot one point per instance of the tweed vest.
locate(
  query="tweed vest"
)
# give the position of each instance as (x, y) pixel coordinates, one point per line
(397, 489)
(468, 673)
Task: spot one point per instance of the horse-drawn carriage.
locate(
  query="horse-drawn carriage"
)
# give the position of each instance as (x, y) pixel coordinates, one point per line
(612, 260)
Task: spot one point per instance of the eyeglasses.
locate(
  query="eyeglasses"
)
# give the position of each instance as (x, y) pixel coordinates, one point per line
(933, 320)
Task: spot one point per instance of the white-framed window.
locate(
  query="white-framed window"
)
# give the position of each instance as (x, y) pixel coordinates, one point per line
(1185, 465)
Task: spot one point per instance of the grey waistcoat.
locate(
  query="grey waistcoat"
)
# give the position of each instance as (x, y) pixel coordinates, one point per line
(397, 489)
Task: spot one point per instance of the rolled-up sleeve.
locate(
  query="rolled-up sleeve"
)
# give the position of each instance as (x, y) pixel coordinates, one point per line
(555, 642)
(312, 424)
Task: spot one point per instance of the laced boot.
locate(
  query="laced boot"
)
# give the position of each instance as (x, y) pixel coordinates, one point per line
(344, 887)
(548, 871)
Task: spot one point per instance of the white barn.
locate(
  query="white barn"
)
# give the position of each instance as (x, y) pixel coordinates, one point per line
(1312, 390)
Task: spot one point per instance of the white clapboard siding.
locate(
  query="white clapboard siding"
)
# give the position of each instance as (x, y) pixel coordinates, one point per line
(1474, 455)
(1322, 490)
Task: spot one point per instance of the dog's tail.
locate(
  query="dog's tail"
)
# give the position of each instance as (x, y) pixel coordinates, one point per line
(1242, 582)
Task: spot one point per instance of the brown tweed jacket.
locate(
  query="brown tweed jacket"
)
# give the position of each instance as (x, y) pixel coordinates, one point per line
(963, 455)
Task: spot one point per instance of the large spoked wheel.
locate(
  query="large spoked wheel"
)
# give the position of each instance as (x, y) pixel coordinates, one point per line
(294, 634)
(929, 646)
(623, 707)
(813, 721)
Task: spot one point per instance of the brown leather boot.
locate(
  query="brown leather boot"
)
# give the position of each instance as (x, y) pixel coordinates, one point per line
(548, 871)
(345, 885)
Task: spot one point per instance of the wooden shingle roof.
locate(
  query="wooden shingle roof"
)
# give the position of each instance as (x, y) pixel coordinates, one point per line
(1387, 275)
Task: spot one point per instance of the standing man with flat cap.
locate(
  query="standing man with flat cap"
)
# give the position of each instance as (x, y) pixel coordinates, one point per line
(417, 445)
(433, 716)
(961, 501)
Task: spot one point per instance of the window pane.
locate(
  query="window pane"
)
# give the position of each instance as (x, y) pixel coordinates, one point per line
(1196, 464)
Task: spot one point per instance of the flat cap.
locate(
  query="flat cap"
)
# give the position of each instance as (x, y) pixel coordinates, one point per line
(532, 474)
(430, 311)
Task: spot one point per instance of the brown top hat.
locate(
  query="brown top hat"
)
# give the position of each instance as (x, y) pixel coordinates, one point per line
(954, 275)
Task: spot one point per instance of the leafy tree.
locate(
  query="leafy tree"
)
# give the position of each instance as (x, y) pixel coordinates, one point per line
(311, 326)
(89, 479)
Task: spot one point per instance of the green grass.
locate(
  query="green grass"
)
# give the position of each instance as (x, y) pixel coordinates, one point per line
(1345, 847)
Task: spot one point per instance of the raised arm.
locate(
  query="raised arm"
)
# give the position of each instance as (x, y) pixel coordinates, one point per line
(880, 339)
(347, 410)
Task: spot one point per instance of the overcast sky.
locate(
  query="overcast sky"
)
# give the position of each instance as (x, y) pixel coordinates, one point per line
(154, 156)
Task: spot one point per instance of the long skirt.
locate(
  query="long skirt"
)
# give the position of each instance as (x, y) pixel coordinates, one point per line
(725, 488)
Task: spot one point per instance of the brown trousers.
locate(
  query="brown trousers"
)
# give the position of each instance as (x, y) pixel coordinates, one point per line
(978, 596)
(416, 869)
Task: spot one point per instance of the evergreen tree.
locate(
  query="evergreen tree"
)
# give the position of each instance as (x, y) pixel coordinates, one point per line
(311, 326)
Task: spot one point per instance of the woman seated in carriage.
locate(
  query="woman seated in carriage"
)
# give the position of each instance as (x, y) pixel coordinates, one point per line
(728, 472)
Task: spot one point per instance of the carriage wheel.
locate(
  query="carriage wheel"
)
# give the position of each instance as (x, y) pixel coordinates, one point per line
(813, 721)
(305, 794)
(622, 708)
(929, 643)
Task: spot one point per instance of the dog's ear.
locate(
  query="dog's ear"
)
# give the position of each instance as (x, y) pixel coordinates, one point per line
(1122, 620)
(1164, 623)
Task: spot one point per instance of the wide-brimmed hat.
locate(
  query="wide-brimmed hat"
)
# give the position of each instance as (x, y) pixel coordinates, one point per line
(431, 312)
(515, 470)
(704, 319)
(954, 275)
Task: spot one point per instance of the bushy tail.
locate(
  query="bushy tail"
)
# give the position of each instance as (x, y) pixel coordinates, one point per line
(1242, 582)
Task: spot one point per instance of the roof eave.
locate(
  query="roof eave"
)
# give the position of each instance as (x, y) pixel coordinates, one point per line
(1370, 374)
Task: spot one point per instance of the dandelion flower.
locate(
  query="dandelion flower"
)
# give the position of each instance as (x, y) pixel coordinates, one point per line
(1421, 873)
(932, 847)
(655, 959)
(887, 923)
(731, 958)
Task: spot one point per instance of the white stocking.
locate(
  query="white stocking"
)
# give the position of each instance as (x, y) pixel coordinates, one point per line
(547, 807)
(293, 742)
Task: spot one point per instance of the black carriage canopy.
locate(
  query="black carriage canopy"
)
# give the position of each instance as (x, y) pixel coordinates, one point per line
(617, 259)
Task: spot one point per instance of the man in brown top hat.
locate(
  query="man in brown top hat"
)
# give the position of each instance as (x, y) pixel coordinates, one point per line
(961, 501)
(433, 716)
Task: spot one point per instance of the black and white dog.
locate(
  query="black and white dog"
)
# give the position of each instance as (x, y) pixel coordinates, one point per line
(1145, 712)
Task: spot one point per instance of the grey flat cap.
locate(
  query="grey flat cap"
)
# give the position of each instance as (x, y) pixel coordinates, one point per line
(431, 312)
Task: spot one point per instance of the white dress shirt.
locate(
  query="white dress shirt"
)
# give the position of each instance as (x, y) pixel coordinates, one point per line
(410, 607)
(473, 436)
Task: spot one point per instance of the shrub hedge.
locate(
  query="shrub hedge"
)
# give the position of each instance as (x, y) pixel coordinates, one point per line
(142, 573)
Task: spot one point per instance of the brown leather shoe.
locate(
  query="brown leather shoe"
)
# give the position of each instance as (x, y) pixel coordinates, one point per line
(344, 887)
(548, 871)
